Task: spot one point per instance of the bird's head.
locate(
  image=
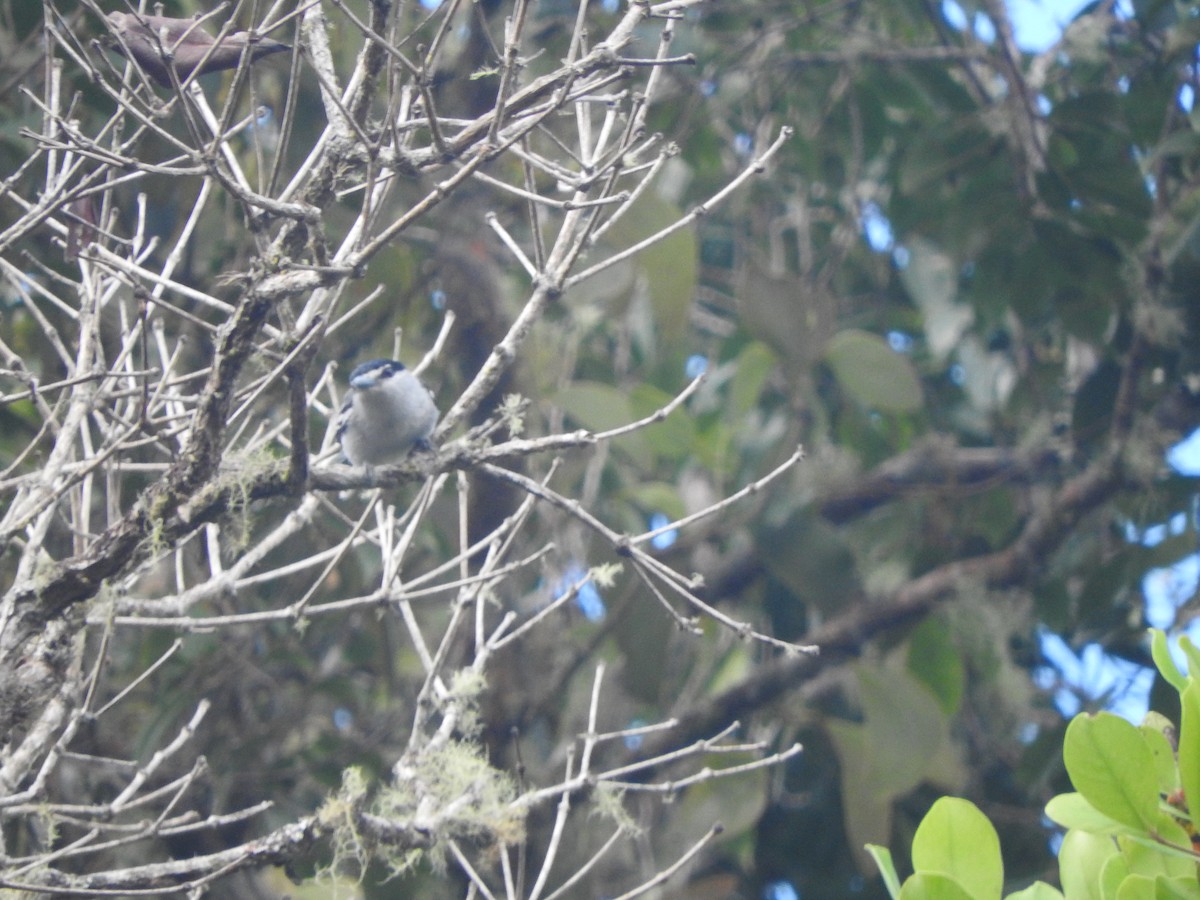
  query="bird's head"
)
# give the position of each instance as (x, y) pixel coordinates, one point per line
(374, 372)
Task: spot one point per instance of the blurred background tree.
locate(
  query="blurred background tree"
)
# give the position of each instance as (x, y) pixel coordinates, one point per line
(973, 276)
(966, 286)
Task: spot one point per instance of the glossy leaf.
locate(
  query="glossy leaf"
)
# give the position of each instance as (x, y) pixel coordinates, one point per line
(1164, 661)
(1165, 768)
(933, 886)
(1189, 747)
(1114, 873)
(1081, 860)
(1111, 765)
(1039, 890)
(1166, 850)
(1182, 887)
(1136, 887)
(1193, 655)
(1073, 811)
(956, 839)
(887, 869)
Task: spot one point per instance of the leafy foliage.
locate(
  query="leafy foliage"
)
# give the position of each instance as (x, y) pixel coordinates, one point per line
(1129, 828)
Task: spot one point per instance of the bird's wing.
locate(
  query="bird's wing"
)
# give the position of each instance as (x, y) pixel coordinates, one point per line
(343, 416)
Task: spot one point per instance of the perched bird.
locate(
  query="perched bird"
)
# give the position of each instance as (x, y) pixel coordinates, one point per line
(155, 42)
(386, 414)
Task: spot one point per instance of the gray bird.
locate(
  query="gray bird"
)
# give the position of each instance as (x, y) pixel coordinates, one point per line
(147, 38)
(386, 414)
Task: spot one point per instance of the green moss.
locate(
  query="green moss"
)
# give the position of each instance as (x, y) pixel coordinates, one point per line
(338, 816)
(610, 803)
(512, 413)
(453, 790)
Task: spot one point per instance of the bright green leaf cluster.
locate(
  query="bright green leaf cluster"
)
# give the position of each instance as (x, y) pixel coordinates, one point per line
(1129, 828)
(1129, 835)
(956, 856)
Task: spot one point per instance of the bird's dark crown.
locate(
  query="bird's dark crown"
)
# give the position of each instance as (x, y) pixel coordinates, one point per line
(386, 368)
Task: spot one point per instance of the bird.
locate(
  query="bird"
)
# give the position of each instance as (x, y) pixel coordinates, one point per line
(155, 42)
(387, 414)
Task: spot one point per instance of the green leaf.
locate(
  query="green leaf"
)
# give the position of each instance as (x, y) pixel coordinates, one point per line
(1073, 811)
(1111, 765)
(872, 372)
(594, 405)
(904, 725)
(935, 661)
(601, 407)
(1081, 860)
(1115, 871)
(1166, 771)
(1039, 890)
(1093, 403)
(723, 799)
(671, 438)
(933, 886)
(1166, 851)
(1189, 747)
(734, 668)
(670, 264)
(789, 314)
(754, 365)
(1192, 654)
(887, 869)
(867, 805)
(813, 559)
(1136, 887)
(1165, 663)
(956, 839)
(1182, 887)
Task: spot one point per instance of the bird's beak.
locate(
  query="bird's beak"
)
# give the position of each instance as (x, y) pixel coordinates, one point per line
(364, 381)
